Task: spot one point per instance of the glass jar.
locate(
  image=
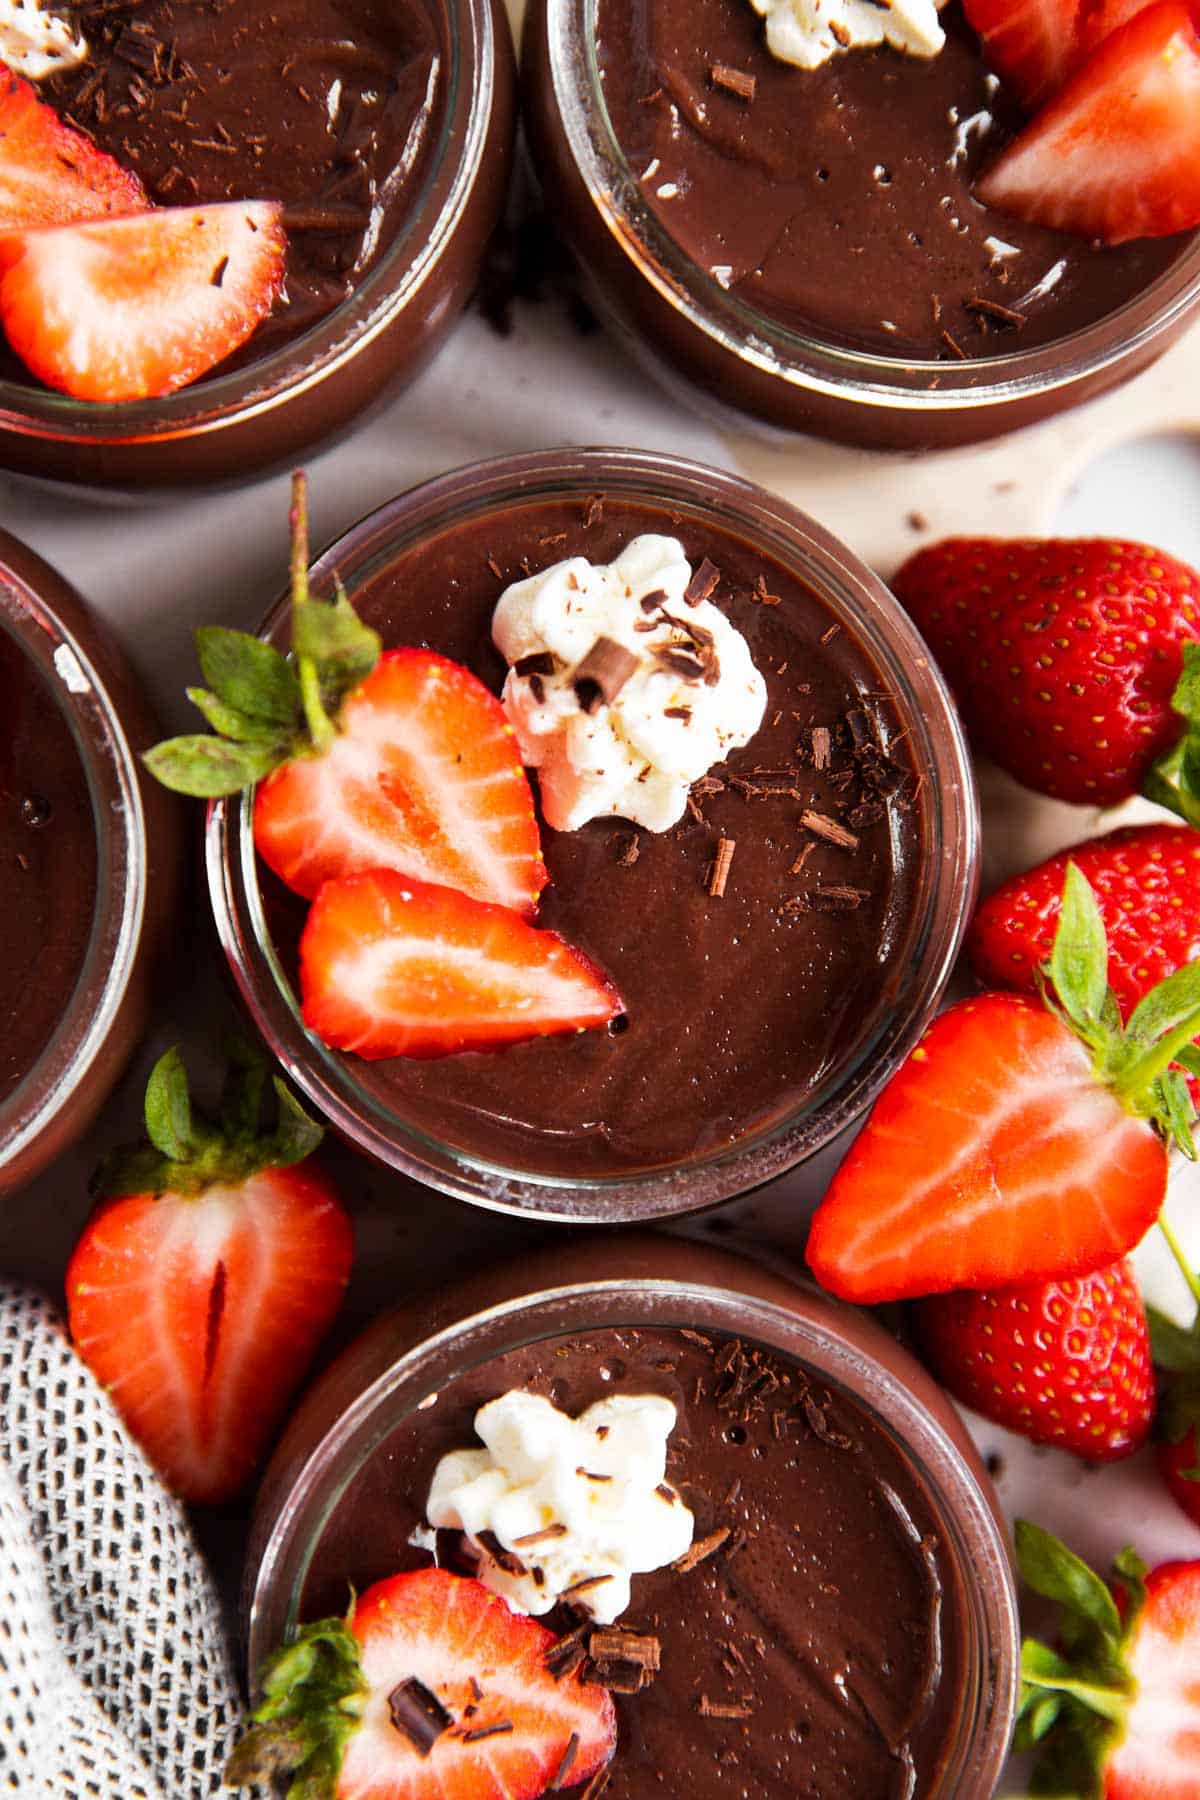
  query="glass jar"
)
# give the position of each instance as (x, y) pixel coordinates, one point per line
(136, 835)
(268, 412)
(722, 354)
(942, 889)
(399, 1366)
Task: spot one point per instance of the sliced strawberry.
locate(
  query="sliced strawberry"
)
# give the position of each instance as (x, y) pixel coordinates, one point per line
(1029, 43)
(345, 1702)
(127, 309)
(447, 1631)
(994, 1155)
(393, 967)
(423, 777)
(1159, 1755)
(199, 1306)
(51, 175)
(1116, 154)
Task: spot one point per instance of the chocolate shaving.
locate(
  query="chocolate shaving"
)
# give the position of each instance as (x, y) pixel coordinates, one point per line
(954, 346)
(559, 1779)
(584, 1586)
(734, 81)
(618, 1678)
(566, 1653)
(992, 309)
(803, 857)
(594, 512)
(827, 637)
(541, 662)
(665, 1493)
(494, 566)
(599, 678)
(724, 1709)
(701, 1551)
(707, 784)
(837, 899)
(418, 1714)
(829, 829)
(703, 582)
(680, 661)
(718, 875)
(642, 1648)
(487, 1731)
(677, 712)
(763, 595)
(543, 1536)
(818, 1422)
(650, 603)
(590, 1475)
(696, 1337)
(597, 1784)
(822, 746)
(503, 1559)
(476, 1690)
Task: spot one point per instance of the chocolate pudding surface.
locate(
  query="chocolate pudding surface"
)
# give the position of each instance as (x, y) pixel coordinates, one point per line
(738, 1007)
(838, 201)
(829, 1618)
(48, 864)
(330, 106)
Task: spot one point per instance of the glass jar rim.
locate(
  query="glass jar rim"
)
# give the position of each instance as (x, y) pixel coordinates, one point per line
(805, 360)
(285, 1543)
(947, 868)
(303, 363)
(122, 859)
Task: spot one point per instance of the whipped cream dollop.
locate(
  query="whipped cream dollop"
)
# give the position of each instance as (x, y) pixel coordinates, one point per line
(809, 32)
(574, 1507)
(34, 43)
(627, 684)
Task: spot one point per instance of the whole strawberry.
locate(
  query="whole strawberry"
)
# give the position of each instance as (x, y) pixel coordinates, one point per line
(1075, 661)
(1059, 1362)
(207, 1276)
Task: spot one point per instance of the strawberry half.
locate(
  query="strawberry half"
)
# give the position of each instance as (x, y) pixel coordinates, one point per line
(1074, 660)
(430, 1690)
(51, 175)
(393, 967)
(132, 308)
(199, 1292)
(1061, 1362)
(1114, 1710)
(1016, 1144)
(1116, 154)
(366, 761)
(1031, 44)
(423, 776)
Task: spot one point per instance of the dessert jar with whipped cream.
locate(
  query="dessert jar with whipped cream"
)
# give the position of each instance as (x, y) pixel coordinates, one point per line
(743, 1507)
(800, 240)
(757, 815)
(88, 864)
(386, 133)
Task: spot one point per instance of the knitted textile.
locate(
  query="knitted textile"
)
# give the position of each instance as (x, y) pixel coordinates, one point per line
(115, 1676)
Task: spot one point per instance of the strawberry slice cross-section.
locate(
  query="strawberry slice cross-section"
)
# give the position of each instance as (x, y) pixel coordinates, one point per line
(395, 967)
(134, 308)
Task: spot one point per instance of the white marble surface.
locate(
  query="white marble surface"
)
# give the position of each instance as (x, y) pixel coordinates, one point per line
(157, 571)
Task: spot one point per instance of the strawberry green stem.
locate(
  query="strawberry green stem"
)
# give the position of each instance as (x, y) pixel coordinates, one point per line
(1177, 1251)
(320, 726)
(1145, 1070)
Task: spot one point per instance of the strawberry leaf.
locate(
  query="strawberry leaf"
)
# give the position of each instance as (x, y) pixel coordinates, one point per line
(1174, 780)
(1179, 1411)
(313, 1691)
(245, 1082)
(168, 1108)
(1172, 1348)
(1055, 1572)
(250, 676)
(342, 648)
(209, 767)
(1078, 964)
(230, 723)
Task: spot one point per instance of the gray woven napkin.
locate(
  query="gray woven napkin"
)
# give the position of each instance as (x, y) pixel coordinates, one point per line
(116, 1681)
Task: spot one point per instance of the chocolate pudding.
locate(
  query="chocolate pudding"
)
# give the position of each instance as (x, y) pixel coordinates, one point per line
(330, 106)
(839, 200)
(47, 863)
(815, 1650)
(740, 1008)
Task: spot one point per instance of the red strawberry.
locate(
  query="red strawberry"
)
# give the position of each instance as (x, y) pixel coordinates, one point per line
(1146, 879)
(1116, 154)
(424, 776)
(1065, 656)
(1029, 43)
(392, 967)
(402, 761)
(1114, 1713)
(127, 309)
(51, 175)
(1016, 1144)
(1060, 1362)
(199, 1294)
(397, 1702)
